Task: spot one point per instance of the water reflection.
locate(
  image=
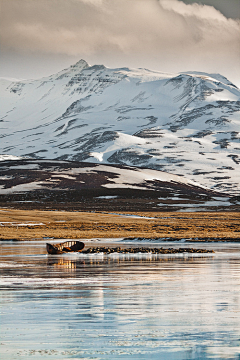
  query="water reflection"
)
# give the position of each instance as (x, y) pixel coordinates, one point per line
(64, 264)
(111, 307)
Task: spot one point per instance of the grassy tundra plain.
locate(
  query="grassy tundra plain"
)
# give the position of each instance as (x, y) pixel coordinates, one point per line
(198, 226)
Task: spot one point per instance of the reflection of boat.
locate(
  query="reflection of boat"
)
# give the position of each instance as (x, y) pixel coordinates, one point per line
(67, 246)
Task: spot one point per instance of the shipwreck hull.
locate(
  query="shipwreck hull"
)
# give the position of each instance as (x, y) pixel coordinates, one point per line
(67, 246)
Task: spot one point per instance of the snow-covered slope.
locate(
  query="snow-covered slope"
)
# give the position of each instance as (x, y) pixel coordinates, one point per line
(27, 175)
(185, 124)
(101, 187)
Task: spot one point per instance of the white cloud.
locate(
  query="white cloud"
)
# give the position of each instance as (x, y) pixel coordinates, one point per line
(156, 33)
(196, 10)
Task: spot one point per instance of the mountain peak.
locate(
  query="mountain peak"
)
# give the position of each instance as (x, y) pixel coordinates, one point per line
(81, 64)
(72, 69)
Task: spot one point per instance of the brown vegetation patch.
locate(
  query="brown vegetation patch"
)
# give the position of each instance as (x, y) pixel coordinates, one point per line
(36, 224)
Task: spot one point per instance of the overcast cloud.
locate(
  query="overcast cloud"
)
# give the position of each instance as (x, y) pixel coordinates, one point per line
(166, 35)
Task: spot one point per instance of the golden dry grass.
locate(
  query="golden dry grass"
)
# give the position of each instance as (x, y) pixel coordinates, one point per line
(80, 225)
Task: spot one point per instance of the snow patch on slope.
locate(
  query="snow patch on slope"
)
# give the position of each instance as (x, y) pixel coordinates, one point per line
(10, 157)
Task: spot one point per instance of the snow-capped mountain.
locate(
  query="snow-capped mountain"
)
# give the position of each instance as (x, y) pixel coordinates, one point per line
(185, 124)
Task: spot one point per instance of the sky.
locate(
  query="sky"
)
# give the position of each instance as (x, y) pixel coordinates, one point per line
(41, 37)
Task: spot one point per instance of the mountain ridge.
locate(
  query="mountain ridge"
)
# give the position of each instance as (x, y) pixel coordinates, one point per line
(185, 123)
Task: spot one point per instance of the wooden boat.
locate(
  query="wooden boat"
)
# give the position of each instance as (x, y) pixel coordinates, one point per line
(67, 246)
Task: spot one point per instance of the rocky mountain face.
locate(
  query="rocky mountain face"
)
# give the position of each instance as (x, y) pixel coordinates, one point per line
(187, 124)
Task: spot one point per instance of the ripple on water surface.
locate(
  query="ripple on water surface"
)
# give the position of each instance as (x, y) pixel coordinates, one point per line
(119, 307)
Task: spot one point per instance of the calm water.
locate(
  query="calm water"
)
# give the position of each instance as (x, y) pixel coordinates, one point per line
(119, 307)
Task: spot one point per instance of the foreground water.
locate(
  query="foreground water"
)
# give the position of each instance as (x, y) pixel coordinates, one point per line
(119, 307)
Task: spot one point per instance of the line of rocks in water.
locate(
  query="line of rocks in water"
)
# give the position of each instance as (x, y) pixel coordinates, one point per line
(197, 239)
(109, 250)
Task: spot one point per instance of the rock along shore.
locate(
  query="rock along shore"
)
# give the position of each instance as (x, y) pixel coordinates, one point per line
(109, 250)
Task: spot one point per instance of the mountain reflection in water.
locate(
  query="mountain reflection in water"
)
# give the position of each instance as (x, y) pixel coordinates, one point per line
(75, 306)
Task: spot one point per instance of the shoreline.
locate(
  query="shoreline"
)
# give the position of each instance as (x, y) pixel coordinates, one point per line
(20, 225)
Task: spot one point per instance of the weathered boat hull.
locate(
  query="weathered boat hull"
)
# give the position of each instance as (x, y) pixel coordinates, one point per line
(67, 246)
